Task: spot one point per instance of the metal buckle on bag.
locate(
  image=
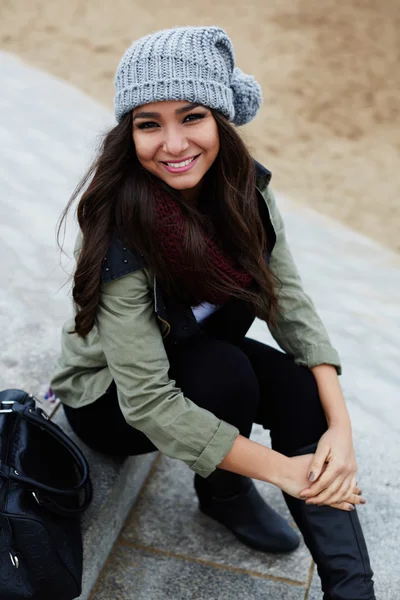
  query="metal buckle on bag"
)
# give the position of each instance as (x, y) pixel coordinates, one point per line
(14, 560)
(3, 403)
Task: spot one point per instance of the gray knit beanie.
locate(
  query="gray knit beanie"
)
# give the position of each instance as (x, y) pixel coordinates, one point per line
(186, 63)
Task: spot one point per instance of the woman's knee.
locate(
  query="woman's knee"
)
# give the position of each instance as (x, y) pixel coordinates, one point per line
(215, 372)
(236, 394)
(235, 369)
(300, 418)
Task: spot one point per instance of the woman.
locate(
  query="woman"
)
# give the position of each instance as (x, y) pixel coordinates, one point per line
(181, 247)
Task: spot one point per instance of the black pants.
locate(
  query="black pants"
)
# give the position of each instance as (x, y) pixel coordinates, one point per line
(242, 383)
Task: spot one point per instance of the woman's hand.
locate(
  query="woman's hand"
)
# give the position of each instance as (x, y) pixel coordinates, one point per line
(294, 477)
(333, 470)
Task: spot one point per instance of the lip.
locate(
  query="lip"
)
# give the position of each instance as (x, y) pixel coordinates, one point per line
(181, 169)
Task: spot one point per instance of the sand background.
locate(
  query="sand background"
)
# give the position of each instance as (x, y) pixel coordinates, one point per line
(329, 128)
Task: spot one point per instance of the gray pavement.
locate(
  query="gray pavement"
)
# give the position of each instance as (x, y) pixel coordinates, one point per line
(167, 548)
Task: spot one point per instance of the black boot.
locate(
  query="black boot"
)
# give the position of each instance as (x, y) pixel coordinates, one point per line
(336, 542)
(233, 501)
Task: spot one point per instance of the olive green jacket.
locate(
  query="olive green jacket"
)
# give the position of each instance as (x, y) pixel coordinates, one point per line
(126, 345)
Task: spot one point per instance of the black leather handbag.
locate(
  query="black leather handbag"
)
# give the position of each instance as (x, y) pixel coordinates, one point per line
(44, 487)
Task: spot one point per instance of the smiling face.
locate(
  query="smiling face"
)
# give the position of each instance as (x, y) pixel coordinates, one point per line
(176, 141)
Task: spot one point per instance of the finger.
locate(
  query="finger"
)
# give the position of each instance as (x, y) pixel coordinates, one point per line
(326, 495)
(352, 489)
(356, 499)
(326, 479)
(352, 499)
(343, 506)
(307, 490)
(346, 491)
(357, 489)
(342, 492)
(317, 463)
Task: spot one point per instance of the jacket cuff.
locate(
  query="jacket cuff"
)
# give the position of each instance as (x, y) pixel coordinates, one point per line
(216, 450)
(321, 355)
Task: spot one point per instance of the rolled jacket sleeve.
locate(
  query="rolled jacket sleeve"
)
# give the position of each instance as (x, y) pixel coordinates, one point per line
(299, 330)
(150, 401)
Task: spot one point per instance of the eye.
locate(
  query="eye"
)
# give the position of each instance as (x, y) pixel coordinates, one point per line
(188, 119)
(194, 117)
(147, 125)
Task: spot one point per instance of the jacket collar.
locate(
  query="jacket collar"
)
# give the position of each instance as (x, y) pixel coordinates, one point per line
(263, 176)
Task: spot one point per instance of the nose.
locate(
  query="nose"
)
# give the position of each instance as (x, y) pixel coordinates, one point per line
(175, 142)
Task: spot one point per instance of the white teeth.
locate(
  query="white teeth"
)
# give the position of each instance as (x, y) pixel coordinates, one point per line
(181, 164)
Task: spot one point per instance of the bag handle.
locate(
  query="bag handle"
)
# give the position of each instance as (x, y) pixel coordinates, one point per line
(52, 505)
(42, 421)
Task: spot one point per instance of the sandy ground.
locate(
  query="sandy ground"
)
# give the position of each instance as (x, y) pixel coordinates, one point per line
(329, 129)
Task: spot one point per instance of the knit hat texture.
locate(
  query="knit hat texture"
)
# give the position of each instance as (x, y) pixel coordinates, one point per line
(186, 63)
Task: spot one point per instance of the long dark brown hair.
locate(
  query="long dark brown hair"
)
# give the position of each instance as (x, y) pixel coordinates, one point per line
(117, 198)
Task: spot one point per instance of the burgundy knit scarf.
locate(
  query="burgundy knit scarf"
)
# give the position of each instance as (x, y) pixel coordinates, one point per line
(170, 230)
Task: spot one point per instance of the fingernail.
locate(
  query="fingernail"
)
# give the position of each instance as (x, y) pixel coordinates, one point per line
(312, 477)
(302, 497)
(352, 507)
(363, 501)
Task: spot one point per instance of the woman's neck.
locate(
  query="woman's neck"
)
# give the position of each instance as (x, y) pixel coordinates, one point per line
(192, 195)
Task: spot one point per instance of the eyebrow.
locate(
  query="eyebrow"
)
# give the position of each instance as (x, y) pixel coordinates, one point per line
(155, 115)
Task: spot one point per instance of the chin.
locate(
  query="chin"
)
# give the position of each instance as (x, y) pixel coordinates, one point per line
(182, 185)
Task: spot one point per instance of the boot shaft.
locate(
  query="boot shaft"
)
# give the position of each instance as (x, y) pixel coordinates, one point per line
(336, 542)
